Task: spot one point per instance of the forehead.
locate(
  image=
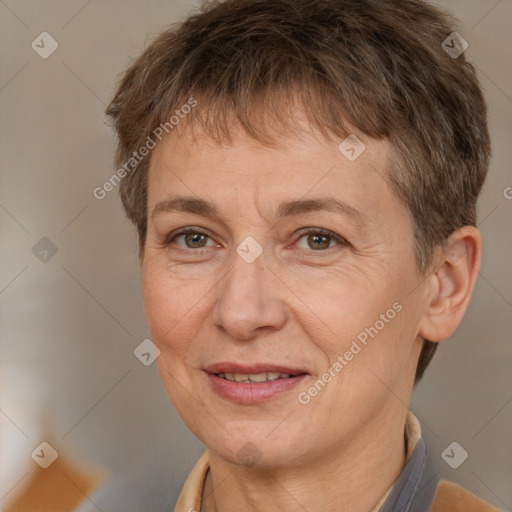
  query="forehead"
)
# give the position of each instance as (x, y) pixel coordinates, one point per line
(289, 177)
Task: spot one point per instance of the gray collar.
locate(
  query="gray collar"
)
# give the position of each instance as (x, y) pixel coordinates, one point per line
(415, 488)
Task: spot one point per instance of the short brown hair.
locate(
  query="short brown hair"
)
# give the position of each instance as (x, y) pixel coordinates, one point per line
(376, 64)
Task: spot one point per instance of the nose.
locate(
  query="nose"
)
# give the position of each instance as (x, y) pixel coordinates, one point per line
(248, 302)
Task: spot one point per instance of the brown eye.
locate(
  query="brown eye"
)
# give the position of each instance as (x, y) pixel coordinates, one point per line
(317, 242)
(190, 239)
(317, 239)
(195, 240)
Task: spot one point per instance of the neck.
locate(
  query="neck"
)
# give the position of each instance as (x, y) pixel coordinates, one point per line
(353, 477)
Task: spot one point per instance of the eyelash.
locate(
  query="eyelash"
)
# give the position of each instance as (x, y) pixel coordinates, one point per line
(323, 232)
(304, 232)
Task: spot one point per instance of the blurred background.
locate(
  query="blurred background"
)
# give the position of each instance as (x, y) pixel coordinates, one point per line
(71, 309)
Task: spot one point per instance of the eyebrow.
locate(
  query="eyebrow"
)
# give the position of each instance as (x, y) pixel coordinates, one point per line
(187, 205)
(287, 209)
(328, 204)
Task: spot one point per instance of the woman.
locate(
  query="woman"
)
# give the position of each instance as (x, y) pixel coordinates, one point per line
(303, 178)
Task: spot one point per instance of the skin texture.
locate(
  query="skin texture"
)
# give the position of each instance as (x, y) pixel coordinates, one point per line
(300, 304)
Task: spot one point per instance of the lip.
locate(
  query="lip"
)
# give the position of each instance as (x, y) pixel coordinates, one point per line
(229, 367)
(255, 392)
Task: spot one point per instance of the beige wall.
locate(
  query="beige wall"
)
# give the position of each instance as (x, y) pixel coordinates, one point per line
(69, 325)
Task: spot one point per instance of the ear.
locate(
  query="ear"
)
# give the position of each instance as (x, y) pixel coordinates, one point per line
(451, 286)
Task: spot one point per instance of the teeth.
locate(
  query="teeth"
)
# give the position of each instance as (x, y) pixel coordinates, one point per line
(253, 377)
(258, 377)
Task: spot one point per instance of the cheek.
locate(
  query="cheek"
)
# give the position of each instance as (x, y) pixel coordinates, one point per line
(171, 307)
(342, 306)
(362, 318)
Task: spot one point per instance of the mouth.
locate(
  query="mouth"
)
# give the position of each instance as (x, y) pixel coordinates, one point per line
(257, 372)
(250, 378)
(252, 384)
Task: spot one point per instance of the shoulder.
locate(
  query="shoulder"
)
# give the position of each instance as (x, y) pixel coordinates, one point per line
(451, 497)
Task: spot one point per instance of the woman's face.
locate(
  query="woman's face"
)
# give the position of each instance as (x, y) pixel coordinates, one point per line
(297, 261)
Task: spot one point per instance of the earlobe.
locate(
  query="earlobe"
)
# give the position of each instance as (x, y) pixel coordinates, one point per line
(451, 285)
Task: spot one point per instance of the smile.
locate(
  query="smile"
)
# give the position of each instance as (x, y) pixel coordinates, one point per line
(253, 388)
(253, 377)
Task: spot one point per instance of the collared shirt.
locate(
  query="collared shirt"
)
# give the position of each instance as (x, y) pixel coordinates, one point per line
(412, 491)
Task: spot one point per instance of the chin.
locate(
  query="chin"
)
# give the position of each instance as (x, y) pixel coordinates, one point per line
(253, 445)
